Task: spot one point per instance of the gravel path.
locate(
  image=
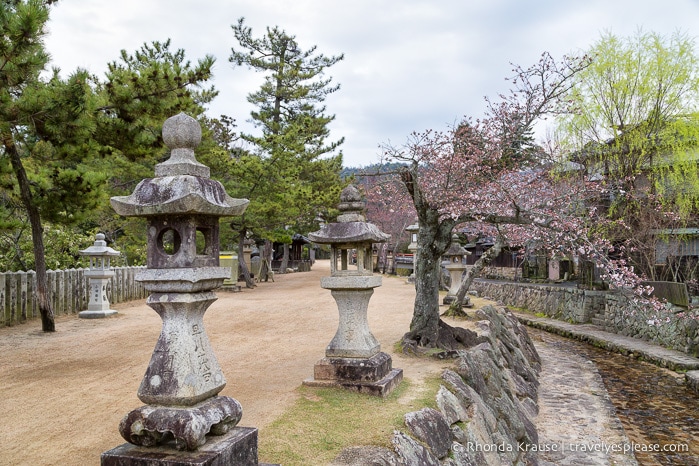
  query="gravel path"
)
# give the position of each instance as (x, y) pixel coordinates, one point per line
(63, 394)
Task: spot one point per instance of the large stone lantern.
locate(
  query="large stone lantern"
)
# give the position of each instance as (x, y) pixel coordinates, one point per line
(182, 381)
(99, 274)
(454, 257)
(353, 359)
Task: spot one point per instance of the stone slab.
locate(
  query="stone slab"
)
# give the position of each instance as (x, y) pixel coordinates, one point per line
(351, 282)
(381, 387)
(353, 369)
(96, 314)
(692, 379)
(237, 447)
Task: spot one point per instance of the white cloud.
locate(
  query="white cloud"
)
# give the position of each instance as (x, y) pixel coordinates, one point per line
(409, 64)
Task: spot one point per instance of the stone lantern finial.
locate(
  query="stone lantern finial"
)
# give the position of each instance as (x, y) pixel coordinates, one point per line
(181, 134)
(351, 205)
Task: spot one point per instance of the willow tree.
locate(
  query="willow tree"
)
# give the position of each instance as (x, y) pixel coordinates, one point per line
(293, 168)
(637, 127)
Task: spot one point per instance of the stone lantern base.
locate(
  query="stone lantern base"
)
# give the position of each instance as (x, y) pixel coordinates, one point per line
(371, 376)
(448, 299)
(237, 447)
(96, 314)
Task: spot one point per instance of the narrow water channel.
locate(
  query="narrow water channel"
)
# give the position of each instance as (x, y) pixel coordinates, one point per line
(652, 403)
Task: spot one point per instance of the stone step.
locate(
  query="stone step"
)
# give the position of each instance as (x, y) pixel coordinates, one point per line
(599, 321)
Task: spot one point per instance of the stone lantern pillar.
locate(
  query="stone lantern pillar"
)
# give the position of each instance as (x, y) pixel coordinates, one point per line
(353, 359)
(98, 274)
(455, 266)
(182, 381)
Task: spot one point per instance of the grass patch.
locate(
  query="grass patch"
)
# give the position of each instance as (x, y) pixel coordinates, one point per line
(323, 421)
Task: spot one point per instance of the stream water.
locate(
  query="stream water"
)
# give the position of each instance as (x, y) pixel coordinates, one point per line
(652, 403)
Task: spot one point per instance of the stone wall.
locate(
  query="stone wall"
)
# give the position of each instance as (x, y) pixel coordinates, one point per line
(671, 330)
(558, 302)
(610, 310)
(486, 406)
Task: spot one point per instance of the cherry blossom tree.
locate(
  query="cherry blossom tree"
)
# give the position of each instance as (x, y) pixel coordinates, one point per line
(388, 207)
(488, 171)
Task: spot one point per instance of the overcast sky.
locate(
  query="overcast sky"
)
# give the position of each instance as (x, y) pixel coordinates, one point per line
(409, 65)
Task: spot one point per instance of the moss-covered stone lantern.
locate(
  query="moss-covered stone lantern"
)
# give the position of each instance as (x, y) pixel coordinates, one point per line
(353, 359)
(180, 388)
(454, 258)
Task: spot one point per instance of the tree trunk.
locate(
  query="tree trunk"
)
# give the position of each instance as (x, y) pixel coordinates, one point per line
(433, 240)
(249, 282)
(455, 309)
(285, 259)
(266, 255)
(48, 323)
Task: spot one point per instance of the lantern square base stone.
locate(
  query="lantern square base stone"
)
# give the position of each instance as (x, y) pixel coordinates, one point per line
(96, 314)
(372, 376)
(237, 447)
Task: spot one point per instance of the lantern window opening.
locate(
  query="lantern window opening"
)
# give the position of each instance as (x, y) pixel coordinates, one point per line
(169, 241)
(203, 241)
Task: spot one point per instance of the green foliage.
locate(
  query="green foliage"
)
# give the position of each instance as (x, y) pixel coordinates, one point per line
(141, 91)
(62, 249)
(636, 110)
(77, 141)
(289, 175)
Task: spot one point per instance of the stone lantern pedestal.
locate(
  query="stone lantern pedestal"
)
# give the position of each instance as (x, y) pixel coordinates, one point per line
(184, 421)
(353, 358)
(98, 274)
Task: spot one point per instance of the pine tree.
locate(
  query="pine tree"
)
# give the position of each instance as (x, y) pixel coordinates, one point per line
(43, 124)
(293, 172)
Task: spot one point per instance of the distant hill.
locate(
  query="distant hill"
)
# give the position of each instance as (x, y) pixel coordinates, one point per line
(371, 169)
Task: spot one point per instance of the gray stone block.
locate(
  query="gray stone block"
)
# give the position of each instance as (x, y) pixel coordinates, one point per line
(238, 447)
(450, 406)
(412, 452)
(429, 426)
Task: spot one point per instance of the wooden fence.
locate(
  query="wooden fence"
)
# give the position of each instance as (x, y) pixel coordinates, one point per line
(68, 291)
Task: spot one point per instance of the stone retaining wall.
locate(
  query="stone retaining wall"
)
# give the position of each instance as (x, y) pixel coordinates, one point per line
(610, 310)
(486, 406)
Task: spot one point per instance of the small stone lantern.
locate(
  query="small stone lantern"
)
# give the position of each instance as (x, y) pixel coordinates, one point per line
(455, 265)
(353, 359)
(183, 379)
(98, 274)
(412, 230)
(412, 247)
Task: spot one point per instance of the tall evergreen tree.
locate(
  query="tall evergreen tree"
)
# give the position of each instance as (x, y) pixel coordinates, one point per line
(43, 124)
(63, 139)
(292, 169)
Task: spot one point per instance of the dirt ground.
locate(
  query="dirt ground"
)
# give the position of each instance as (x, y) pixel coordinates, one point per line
(63, 394)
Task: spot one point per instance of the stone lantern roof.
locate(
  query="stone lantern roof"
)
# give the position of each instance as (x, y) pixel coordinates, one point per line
(182, 184)
(351, 225)
(99, 248)
(455, 249)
